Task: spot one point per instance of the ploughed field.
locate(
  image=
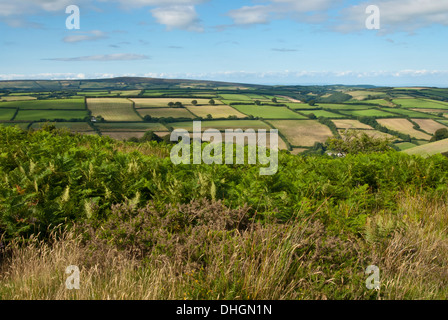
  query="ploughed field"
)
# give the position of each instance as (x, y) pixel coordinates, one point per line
(409, 117)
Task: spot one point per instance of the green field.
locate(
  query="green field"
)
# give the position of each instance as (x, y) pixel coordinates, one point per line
(163, 102)
(421, 103)
(405, 145)
(268, 112)
(429, 149)
(235, 97)
(113, 109)
(369, 113)
(56, 104)
(7, 114)
(301, 106)
(409, 113)
(73, 126)
(337, 106)
(323, 113)
(37, 115)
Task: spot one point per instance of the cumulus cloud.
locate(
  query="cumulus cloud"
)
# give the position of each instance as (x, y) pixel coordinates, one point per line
(86, 36)
(105, 57)
(178, 17)
(404, 15)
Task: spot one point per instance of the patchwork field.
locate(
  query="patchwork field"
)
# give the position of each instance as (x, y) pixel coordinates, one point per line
(235, 97)
(430, 149)
(421, 103)
(409, 113)
(372, 133)
(223, 125)
(73, 126)
(7, 114)
(166, 113)
(429, 125)
(137, 126)
(369, 113)
(302, 133)
(123, 135)
(268, 112)
(113, 109)
(405, 145)
(323, 113)
(16, 98)
(126, 92)
(21, 125)
(163, 102)
(361, 94)
(219, 111)
(403, 126)
(350, 124)
(56, 104)
(37, 115)
(301, 106)
(337, 106)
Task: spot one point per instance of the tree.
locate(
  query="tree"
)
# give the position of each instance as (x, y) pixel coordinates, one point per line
(209, 116)
(312, 103)
(357, 141)
(440, 134)
(257, 102)
(274, 100)
(312, 116)
(170, 104)
(147, 118)
(194, 102)
(212, 102)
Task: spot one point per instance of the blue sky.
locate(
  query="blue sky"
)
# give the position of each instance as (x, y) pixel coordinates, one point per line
(249, 41)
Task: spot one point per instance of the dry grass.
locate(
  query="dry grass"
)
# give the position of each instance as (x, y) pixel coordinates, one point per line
(222, 255)
(429, 125)
(404, 126)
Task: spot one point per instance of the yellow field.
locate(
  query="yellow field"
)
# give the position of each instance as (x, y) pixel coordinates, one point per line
(122, 135)
(372, 133)
(163, 102)
(429, 125)
(302, 132)
(113, 109)
(404, 126)
(17, 98)
(350, 124)
(296, 151)
(361, 94)
(219, 111)
(166, 113)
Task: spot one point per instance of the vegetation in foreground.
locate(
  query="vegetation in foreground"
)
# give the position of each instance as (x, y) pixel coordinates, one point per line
(141, 228)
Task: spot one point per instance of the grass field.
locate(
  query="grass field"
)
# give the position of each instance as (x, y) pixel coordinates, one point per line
(113, 109)
(37, 115)
(138, 126)
(409, 113)
(73, 126)
(235, 97)
(301, 106)
(350, 124)
(337, 106)
(166, 113)
(429, 125)
(55, 104)
(323, 113)
(403, 126)
(163, 102)
(302, 133)
(123, 135)
(21, 125)
(223, 125)
(421, 103)
(361, 94)
(405, 145)
(369, 113)
(126, 92)
(429, 149)
(268, 112)
(219, 111)
(7, 114)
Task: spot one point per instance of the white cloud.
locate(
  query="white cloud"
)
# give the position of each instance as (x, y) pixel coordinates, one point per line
(251, 15)
(178, 17)
(105, 57)
(86, 36)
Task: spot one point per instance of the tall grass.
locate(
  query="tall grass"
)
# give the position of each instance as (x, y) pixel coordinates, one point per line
(206, 251)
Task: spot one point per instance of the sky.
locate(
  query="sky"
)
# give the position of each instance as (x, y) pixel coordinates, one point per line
(290, 42)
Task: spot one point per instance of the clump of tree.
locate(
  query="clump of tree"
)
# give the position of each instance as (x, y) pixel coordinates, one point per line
(357, 141)
(194, 102)
(212, 102)
(274, 100)
(440, 134)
